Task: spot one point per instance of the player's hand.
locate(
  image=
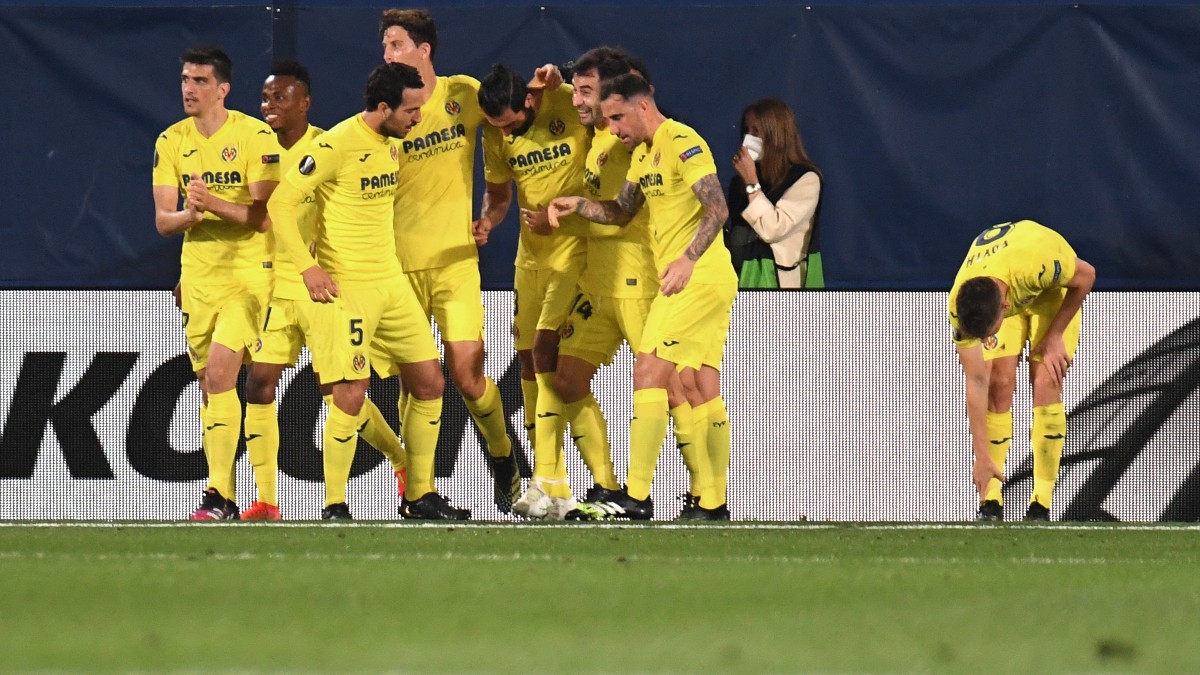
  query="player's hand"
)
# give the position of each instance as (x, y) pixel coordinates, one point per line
(1054, 355)
(547, 77)
(984, 471)
(198, 195)
(676, 275)
(538, 221)
(178, 295)
(321, 287)
(560, 207)
(480, 229)
(744, 165)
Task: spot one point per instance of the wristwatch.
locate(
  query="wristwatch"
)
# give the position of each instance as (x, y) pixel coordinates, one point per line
(752, 188)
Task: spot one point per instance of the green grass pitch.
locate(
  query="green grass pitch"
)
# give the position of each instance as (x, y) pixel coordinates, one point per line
(655, 598)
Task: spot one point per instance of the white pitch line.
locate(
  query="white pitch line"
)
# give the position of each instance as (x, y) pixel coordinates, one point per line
(654, 525)
(542, 557)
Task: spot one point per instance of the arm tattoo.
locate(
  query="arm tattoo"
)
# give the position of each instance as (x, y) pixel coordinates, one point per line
(614, 212)
(708, 191)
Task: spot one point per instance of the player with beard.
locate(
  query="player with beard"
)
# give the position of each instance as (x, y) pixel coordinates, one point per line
(351, 172)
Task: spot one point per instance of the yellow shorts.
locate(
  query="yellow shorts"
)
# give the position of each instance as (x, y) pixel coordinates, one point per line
(543, 299)
(371, 325)
(690, 327)
(286, 329)
(1030, 325)
(228, 314)
(452, 297)
(598, 324)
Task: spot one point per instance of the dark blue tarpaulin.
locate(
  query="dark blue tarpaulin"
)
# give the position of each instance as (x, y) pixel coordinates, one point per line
(930, 122)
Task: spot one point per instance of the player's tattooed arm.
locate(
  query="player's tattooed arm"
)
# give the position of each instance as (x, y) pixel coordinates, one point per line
(617, 211)
(716, 212)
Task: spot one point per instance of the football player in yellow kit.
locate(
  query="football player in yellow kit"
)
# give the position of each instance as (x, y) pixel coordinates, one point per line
(214, 162)
(291, 316)
(351, 171)
(673, 175)
(535, 140)
(617, 286)
(1021, 282)
(433, 229)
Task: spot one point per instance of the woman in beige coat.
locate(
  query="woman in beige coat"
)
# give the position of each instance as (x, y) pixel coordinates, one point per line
(774, 199)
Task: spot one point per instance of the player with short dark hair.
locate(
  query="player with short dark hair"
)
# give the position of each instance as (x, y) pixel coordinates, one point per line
(1020, 283)
(617, 286)
(433, 230)
(673, 175)
(351, 172)
(535, 140)
(291, 316)
(212, 163)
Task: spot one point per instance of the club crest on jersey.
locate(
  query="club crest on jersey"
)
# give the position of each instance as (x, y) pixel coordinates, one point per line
(689, 153)
(229, 153)
(991, 342)
(657, 157)
(567, 330)
(395, 154)
(558, 127)
(308, 165)
(258, 345)
(452, 107)
(360, 362)
(601, 159)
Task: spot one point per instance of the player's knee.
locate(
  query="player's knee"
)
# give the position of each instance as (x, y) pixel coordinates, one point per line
(1045, 384)
(425, 382)
(545, 352)
(651, 372)
(349, 396)
(260, 392)
(570, 388)
(1001, 387)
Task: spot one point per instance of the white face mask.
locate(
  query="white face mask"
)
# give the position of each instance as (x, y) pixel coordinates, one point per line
(753, 145)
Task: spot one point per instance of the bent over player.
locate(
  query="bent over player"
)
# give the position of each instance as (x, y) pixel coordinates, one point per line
(1021, 282)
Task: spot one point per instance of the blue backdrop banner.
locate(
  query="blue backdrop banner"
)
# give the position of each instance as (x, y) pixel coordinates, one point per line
(929, 122)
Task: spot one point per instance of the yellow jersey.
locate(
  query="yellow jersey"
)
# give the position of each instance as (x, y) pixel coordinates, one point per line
(351, 172)
(1028, 257)
(437, 167)
(620, 261)
(243, 151)
(288, 284)
(546, 162)
(666, 169)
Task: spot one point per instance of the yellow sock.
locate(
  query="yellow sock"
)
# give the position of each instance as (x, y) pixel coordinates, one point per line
(549, 425)
(999, 432)
(589, 431)
(684, 426)
(422, 423)
(1049, 433)
(203, 414)
(529, 396)
(488, 413)
(262, 447)
(222, 426)
(337, 452)
(718, 444)
(646, 433)
(376, 431)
